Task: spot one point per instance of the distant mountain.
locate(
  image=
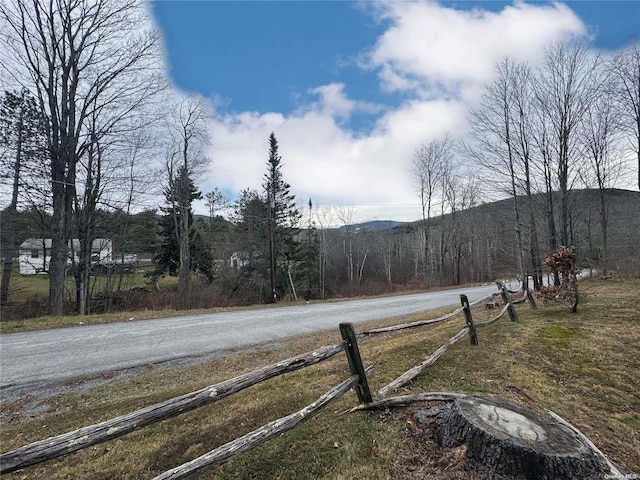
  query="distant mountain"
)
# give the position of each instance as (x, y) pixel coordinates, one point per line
(373, 225)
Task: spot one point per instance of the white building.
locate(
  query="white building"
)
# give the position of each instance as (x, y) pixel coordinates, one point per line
(35, 254)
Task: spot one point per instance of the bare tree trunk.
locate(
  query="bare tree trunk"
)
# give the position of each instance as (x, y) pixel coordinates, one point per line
(365, 253)
(345, 215)
(10, 216)
(605, 233)
(323, 217)
(534, 249)
(61, 220)
(185, 264)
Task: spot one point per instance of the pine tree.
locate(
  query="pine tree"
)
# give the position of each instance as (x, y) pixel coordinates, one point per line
(170, 228)
(23, 156)
(308, 269)
(250, 219)
(283, 221)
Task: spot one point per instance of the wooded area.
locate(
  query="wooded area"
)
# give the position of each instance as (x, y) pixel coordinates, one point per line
(383, 261)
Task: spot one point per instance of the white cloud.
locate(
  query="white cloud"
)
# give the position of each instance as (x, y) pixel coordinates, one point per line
(334, 102)
(428, 51)
(328, 163)
(429, 43)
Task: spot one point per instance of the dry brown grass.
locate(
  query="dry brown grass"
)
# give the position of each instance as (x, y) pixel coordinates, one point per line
(583, 366)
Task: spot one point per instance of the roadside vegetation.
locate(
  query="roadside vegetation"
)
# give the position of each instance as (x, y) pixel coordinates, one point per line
(581, 365)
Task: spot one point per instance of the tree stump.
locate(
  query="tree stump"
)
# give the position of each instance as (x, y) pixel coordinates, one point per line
(507, 439)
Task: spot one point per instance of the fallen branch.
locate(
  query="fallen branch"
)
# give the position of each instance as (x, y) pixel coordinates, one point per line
(415, 371)
(405, 400)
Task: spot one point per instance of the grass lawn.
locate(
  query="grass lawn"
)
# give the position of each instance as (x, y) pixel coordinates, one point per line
(25, 287)
(583, 366)
(35, 288)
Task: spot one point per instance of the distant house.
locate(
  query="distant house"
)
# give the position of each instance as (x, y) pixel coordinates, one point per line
(240, 260)
(35, 254)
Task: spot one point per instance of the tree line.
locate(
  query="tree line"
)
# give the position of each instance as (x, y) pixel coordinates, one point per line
(334, 258)
(92, 113)
(537, 135)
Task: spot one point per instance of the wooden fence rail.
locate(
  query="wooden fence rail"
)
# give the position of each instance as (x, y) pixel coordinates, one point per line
(420, 323)
(470, 328)
(86, 436)
(418, 369)
(211, 460)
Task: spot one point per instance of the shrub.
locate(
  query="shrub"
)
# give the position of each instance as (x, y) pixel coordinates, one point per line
(562, 263)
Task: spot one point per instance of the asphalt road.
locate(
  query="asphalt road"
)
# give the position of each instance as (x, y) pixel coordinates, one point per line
(33, 362)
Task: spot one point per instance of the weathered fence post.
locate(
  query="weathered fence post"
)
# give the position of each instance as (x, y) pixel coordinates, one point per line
(532, 301)
(513, 315)
(355, 363)
(473, 335)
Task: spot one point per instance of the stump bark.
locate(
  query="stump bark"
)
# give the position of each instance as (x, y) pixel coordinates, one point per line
(507, 439)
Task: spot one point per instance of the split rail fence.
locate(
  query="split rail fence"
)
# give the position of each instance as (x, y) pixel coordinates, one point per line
(84, 437)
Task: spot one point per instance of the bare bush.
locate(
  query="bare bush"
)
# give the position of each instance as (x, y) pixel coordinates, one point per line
(563, 263)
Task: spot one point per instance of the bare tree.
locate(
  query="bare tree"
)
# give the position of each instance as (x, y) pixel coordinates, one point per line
(523, 120)
(450, 167)
(626, 68)
(324, 219)
(427, 171)
(85, 207)
(81, 57)
(216, 201)
(185, 160)
(345, 213)
(135, 185)
(565, 87)
(461, 194)
(601, 130)
(545, 167)
(497, 132)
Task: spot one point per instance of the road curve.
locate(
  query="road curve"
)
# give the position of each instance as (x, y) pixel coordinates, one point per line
(32, 361)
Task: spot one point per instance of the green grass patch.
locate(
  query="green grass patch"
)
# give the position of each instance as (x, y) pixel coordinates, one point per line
(26, 287)
(583, 366)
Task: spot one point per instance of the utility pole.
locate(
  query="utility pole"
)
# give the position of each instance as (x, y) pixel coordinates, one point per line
(272, 253)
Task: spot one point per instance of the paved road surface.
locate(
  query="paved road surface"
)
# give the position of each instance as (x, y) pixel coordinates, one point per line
(32, 362)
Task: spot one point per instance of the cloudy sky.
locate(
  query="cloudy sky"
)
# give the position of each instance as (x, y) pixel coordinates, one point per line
(352, 89)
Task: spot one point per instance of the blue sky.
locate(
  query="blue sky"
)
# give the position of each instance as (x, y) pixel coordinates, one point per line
(352, 89)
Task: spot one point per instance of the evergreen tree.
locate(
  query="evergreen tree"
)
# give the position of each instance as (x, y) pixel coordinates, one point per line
(23, 151)
(283, 221)
(170, 228)
(139, 237)
(308, 268)
(250, 218)
(201, 259)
